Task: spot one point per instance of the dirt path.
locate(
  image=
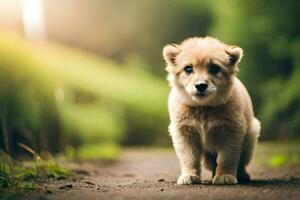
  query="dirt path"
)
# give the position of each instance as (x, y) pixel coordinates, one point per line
(151, 174)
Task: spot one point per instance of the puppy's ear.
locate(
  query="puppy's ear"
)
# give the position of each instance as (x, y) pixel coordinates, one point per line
(235, 54)
(170, 52)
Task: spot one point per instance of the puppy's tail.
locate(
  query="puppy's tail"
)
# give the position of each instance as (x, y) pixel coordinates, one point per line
(250, 141)
(255, 127)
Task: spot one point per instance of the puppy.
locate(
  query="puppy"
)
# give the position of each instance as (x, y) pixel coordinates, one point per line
(210, 111)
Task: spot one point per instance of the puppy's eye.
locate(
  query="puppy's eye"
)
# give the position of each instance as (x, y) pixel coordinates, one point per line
(214, 69)
(188, 69)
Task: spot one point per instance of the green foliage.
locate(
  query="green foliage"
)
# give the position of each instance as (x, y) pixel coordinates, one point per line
(104, 151)
(107, 151)
(27, 105)
(279, 154)
(5, 181)
(53, 96)
(20, 176)
(269, 34)
(50, 169)
(282, 159)
(110, 94)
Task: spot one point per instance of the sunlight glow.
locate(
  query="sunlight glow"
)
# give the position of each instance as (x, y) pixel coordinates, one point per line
(33, 19)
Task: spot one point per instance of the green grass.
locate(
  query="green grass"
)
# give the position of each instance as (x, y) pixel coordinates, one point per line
(278, 154)
(280, 160)
(107, 151)
(16, 176)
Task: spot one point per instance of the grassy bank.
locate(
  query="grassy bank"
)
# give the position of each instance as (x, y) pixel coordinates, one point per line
(54, 97)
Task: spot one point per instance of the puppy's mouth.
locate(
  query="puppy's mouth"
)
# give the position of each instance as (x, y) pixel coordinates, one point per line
(201, 94)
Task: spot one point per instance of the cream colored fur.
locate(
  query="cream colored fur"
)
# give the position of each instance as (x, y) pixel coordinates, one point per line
(220, 126)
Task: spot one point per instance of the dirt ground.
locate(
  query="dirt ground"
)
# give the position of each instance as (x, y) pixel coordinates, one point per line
(151, 174)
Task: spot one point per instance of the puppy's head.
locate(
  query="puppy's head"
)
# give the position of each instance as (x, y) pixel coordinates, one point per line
(202, 70)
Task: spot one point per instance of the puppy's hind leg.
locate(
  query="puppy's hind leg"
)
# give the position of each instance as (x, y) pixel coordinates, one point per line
(186, 141)
(247, 150)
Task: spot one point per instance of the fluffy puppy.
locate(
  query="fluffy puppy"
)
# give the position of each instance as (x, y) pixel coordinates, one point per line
(210, 110)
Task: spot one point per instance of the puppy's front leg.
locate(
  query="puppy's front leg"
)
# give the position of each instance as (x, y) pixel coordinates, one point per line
(227, 160)
(186, 141)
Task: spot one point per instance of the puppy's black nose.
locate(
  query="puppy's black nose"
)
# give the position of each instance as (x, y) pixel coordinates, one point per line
(201, 87)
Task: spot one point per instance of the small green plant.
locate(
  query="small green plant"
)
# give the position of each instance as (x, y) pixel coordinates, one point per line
(21, 176)
(4, 175)
(8, 181)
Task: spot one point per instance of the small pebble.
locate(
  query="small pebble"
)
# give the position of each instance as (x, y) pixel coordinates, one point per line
(82, 172)
(161, 189)
(161, 180)
(48, 192)
(90, 183)
(68, 186)
(60, 178)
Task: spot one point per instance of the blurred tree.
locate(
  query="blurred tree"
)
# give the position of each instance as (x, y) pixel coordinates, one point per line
(28, 113)
(269, 33)
(118, 29)
(52, 97)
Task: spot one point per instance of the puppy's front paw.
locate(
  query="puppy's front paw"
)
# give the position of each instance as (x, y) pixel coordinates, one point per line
(188, 179)
(225, 179)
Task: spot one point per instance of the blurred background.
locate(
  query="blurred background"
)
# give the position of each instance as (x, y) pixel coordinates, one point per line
(86, 77)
